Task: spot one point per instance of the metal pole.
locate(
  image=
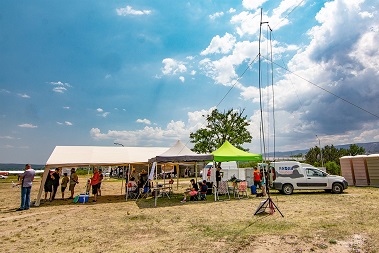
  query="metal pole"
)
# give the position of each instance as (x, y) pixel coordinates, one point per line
(319, 143)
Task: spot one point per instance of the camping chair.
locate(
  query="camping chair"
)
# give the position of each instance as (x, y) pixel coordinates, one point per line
(222, 189)
(242, 188)
(131, 191)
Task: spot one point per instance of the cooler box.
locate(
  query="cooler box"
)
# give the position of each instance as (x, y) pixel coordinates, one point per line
(83, 198)
(253, 189)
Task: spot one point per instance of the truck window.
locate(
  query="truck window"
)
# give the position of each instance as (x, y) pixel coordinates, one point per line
(314, 173)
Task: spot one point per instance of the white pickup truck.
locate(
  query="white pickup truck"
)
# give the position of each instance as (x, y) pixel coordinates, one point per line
(292, 175)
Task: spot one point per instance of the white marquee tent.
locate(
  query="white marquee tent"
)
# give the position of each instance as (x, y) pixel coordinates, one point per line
(85, 156)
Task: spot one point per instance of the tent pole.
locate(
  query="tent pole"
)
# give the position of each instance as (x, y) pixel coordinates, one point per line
(122, 177)
(196, 172)
(127, 188)
(44, 176)
(177, 173)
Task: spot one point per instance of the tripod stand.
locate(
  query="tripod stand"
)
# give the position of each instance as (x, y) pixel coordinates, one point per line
(267, 203)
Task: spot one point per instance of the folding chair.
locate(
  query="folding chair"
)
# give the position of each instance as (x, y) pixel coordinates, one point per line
(222, 189)
(132, 191)
(242, 188)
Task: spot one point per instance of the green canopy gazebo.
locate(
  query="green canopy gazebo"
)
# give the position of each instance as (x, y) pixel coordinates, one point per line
(227, 152)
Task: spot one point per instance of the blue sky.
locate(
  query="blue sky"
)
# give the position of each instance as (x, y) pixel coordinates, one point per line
(142, 73)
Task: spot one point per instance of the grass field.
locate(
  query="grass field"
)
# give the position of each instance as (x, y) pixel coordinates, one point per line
(313, 222)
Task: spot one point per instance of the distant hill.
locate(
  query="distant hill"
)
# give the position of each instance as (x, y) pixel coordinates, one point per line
(16, 166)
(371, 148)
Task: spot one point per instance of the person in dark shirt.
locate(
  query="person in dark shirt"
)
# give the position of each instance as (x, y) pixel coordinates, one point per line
(191, 191)
(218, 176)
(55, 177)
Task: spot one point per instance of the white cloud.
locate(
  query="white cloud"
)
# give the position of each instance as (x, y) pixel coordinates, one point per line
(7, 137)
(105, 114)
(60, 86)
(4, 91)
(172, 67)
(23, 95)
(99, 110)
(216, 15)
(182, 79)
(144, 121)
(128, 10)
(66, 107)
(221, 45)
(26, 125)
(252, 4)
(232, 10)
(59, 123)
(68, 123)
(193, 72)
(174, 130)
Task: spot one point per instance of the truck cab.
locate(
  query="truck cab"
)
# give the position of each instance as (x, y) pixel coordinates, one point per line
(291, 175)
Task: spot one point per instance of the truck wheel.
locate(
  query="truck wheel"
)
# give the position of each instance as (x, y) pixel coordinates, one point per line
(287, 189)
(337, 188)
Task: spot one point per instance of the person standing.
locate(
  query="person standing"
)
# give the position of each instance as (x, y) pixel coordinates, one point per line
(64, 183)
(101, 177)
(95, 179)
(55, 183)
(26, 186)
(48, 185)
(257, 178)
(218, 176)
(73, 181)
(209, 173)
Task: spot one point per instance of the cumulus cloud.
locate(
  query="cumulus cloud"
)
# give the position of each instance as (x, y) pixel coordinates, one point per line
(23, 95)
(149, 136)
(68, 123)
(99, 110)
(216, 15)
(252, 4)
(172, 67)
(182, 79)
(7, 137)
(27, 125)
(221, 45)
(344, 62)
(128, 10)
(60, 87)
(144, 121)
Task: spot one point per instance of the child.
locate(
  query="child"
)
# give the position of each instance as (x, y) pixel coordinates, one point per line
(209, 174)
(88, 186)
(64, 182)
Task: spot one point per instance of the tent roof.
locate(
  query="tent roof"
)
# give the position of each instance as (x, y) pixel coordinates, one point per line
(180, 153)
(75, 156)
(227, 152)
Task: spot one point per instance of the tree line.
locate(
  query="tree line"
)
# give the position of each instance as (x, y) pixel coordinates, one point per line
(231, 125)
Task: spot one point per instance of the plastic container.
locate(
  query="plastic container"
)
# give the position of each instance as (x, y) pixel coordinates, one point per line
(253, 189)
(83, 198)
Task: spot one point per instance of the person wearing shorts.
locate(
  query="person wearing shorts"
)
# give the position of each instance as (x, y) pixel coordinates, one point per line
(64, 183)
(95, 179)
(73, 181)
(257, 178)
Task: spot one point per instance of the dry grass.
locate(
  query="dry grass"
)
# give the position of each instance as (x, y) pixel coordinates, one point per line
(313, 222)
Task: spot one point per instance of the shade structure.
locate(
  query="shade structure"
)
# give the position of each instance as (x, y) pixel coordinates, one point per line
(227, 152)
(76, 156)
(180, 153)
(84, 156)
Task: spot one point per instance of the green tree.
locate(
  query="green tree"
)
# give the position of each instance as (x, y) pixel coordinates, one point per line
(333, 168)
(227, 126)
(354, 149)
